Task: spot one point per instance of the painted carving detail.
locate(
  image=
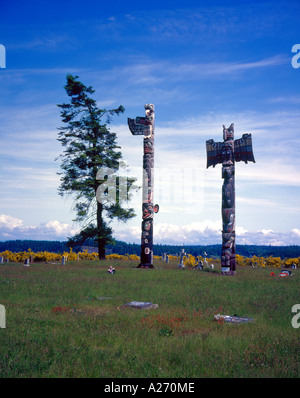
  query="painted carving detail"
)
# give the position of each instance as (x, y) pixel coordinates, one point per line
(145, 126)
(228, 152)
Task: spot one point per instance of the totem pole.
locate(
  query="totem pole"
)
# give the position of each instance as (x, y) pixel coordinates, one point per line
(228, 152)
(145, 126)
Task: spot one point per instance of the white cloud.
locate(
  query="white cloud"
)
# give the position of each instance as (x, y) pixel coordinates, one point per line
(12, 228)
(60, 229)
(296, 231)
(240, 231)
(208, 232)
(274, 173)
(266, 231)
(277, 161)
(10, 222)
(203, 70)
(195, 233)
(161, 72)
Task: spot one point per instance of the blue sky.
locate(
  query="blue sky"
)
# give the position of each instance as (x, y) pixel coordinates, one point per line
(202, 64)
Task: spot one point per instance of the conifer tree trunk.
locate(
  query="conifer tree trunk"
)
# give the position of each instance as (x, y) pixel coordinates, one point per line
(101, 240)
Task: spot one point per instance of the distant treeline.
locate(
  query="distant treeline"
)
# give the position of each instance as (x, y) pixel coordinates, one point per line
(16, 246)
(134, 248)
(210, 250)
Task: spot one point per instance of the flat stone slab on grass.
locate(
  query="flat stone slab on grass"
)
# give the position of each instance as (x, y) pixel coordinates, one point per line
(103, 298)
(232, 319)
(140, 305)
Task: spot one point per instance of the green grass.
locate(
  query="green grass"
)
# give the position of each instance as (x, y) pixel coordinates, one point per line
(59, 325)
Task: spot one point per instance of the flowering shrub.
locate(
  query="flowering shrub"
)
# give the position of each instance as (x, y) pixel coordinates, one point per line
(171, 257)
(116, 256)
(47, 256)
(188, 261)
(273, 262)
(52, 257)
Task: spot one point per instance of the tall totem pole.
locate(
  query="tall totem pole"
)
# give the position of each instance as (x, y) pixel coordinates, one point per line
(228, 152)
(145, 126)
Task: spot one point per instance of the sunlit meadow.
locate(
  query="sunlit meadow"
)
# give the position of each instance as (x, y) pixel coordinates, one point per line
(69, 321)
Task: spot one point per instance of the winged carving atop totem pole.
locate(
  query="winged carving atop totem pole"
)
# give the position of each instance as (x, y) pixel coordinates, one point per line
(145, 126)
(228, 152)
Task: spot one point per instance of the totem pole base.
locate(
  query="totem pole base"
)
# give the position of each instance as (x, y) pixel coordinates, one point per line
(225, 271)
(145, 266)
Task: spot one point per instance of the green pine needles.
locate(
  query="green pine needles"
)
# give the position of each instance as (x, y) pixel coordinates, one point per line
(90, 164)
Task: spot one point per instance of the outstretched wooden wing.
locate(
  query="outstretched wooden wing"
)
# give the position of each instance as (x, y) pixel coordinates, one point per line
(137, 125)
(214, 153)
(243, 149)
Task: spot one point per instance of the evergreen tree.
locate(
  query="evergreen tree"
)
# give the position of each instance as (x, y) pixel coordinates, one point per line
(91, 147)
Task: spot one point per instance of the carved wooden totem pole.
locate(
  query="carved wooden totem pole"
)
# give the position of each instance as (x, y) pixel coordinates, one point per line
(145, 126)
(228, 152)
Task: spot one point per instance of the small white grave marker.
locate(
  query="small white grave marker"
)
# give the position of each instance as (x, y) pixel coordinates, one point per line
(140, 305)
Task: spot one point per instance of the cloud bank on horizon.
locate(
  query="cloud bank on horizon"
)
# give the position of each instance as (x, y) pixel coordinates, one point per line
(196, 233)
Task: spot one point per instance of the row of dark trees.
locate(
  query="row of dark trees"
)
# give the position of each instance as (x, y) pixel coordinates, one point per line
(134, 248)
(211, 250)
(17, 246)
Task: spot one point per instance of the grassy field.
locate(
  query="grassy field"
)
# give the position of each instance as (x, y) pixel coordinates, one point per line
(69, 322)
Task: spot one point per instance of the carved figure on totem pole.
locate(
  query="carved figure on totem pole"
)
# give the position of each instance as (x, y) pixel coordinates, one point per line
(228, 152)
(145, 126)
